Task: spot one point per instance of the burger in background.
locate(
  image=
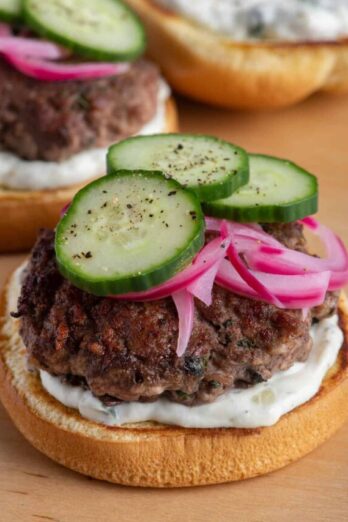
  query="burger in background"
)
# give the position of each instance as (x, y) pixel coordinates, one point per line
(253, 54)
(64, 98)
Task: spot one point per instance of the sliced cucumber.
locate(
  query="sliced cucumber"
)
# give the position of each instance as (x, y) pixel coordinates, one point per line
(10, 10)
(212, 168)
(278, 191)
(99, 29)
(128, 232)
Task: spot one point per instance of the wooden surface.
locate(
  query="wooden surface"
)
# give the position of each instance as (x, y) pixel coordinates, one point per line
(32, 488)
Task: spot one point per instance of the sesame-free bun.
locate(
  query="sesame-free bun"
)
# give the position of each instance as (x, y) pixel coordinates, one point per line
(215, 69)
(150, 454)
(24, 212)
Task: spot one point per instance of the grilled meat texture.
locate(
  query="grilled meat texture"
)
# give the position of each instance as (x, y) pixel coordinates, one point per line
(126, 351)
(289, 234)
(51, 121)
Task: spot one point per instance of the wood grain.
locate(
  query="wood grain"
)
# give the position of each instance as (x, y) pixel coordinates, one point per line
(32, 488)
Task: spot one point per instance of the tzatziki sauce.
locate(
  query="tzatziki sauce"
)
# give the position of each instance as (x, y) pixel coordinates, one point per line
(19, 174)
(282, 20)
(260, 405)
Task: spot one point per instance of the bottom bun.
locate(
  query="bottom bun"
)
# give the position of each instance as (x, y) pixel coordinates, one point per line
(23, 213)
(149, 454)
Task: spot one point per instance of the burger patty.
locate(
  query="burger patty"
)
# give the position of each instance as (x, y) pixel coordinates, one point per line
(126, 351)
(289, 234)
(51, 121)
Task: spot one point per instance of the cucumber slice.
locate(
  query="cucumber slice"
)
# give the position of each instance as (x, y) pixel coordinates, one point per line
(212, 168)
(98, 29)
(10, 10)
(128, 232)
(278, 191)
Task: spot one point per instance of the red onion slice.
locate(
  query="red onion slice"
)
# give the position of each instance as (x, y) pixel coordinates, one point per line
(295, 292)
(250, 232)
(185, 307)
(206, 258)
(284, 263)
(55, 72)
(336, 251)
(30, 47)
(31, 57)
(290, 262)
(202, 287)
(310, 222)
(247, 275)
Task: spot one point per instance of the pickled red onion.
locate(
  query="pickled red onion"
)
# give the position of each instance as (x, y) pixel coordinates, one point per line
(202, 287)
(290, 262)
(337, 253)
(293, 292)
(186, 310)
(30, 47)
(48, 71)
(241, 231)
(249, 277)
(32, 58)
(206, 259)
(310, 222)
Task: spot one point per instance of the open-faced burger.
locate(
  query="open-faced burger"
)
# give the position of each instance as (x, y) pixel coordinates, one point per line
(249, 53)
(175, 329)
(66, 95)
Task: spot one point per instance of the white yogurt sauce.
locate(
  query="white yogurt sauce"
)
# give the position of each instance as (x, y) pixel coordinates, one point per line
(19, 174)
(260, 405)
(289, 20)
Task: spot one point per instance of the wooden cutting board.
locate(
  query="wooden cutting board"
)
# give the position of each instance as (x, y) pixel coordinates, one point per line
(32, 488)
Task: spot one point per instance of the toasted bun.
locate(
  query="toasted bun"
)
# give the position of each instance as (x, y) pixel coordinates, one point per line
(213, 69)
(149, 454)
(23, 213)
